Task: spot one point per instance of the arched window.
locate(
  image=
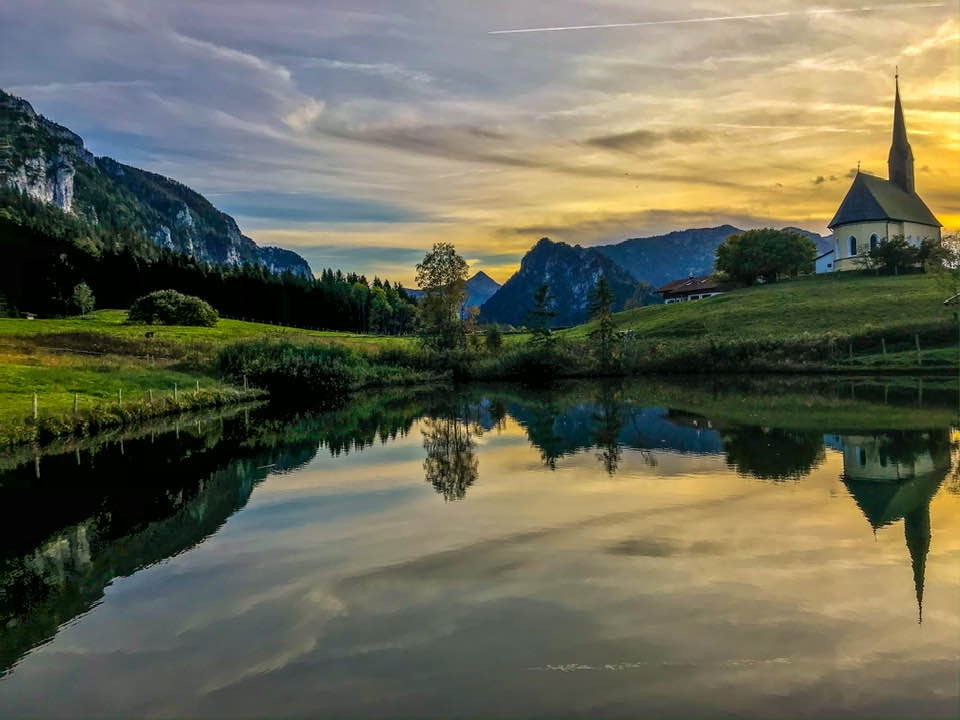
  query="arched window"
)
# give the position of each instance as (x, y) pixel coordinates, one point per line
(874, 241)
(853, 245)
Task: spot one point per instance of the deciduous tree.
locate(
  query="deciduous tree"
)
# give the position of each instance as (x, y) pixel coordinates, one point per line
(766, 254)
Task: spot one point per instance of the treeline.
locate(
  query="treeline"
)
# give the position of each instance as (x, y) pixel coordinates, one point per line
(47, 253)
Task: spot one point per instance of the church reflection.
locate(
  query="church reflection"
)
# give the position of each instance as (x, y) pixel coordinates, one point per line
(893, 476)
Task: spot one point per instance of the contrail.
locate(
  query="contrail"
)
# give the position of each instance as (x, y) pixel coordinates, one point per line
(721, 18)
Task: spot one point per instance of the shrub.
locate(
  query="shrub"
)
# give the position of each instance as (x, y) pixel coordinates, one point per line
(314, 373)
(169, 307)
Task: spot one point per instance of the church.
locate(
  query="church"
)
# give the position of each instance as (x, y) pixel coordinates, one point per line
(875, 210)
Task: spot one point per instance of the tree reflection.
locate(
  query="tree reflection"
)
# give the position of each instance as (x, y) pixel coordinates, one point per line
(608, 420)
(772, 454)
(451, 465)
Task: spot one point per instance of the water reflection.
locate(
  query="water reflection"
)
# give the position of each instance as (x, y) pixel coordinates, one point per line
(451, 466)
(894, 475)
(118, 510)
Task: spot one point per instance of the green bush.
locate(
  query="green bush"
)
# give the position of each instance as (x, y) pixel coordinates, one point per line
(314, 373)
(169, 307)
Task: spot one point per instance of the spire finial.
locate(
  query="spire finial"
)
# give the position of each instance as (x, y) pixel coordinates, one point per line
(858, 167)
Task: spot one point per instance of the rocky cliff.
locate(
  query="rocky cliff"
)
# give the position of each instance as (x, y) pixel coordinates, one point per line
(571, 272)
(49, 163)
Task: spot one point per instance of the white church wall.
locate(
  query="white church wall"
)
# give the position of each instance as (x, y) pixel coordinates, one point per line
(915, 233)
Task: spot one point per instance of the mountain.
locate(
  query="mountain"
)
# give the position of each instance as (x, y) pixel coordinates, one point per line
(480, 288)
(659, 259)
(571, 273)
(49, 163)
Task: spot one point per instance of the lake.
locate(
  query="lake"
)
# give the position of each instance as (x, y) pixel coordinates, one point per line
(761, 548)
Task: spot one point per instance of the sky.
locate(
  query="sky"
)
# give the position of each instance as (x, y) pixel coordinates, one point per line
(360, 132)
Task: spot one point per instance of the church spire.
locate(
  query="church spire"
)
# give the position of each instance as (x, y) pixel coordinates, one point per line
(900, 160)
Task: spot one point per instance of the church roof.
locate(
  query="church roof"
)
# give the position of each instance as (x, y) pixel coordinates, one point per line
(873, 198)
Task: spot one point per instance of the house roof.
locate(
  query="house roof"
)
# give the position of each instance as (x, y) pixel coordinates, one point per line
(821, 257)
(702, 283)
(873, 198)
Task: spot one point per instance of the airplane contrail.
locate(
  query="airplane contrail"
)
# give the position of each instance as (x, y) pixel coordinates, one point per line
(720, 18)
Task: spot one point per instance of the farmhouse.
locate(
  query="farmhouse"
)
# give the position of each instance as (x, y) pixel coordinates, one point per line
(691, 288)
(875, 210)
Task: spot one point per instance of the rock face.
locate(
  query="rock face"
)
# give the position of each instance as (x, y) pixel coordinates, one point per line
(49, 163)
(571, 272)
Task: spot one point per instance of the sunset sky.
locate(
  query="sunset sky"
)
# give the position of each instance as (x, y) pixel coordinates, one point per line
(359, 132)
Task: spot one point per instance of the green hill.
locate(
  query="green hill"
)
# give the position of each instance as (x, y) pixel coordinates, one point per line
(814, 316)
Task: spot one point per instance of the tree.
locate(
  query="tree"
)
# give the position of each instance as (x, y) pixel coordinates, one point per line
(893, 255)
(83, 300)
(539, 318)
(169, 307)
(603, 333)
(643, 294)
(493, 339)
(381, 311)
(766, 254)
(944, 263)
(442, 276)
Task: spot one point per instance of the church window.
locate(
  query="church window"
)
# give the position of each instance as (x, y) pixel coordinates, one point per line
(853, 245)
(874, 241)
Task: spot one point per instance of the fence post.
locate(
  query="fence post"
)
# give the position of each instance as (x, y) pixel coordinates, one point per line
(76, 403)
(245, 387)
(916, 339)
(150, 395)
(883, 345)
(850, 348)
(176, 395)
(120, 397)
(35, 406)
(197, 392)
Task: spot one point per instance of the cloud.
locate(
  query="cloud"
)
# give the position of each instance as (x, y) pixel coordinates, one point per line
(644, 138)
(305, 115)
(389, 71)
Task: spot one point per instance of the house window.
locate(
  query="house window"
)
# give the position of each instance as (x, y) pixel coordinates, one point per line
(874, 241)
(853, 245)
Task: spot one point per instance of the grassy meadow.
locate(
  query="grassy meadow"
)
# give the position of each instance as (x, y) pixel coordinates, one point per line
(837, 313)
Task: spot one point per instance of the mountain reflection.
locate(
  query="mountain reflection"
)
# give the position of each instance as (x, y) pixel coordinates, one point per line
(109, 511)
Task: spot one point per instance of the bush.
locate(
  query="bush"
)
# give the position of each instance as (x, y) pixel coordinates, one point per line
(169, 307)
(319, 374)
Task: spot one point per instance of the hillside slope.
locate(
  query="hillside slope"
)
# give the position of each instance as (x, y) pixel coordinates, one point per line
(50, 164)
(844, 304)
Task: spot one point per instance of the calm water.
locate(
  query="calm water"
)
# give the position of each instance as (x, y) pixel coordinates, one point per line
(650, 549)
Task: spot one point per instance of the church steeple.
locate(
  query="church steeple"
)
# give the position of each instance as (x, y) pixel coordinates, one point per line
(900, 160)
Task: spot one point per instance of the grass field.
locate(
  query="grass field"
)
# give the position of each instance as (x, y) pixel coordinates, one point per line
(95, 358)
(111, 322)
(843, 303)
(856, 311)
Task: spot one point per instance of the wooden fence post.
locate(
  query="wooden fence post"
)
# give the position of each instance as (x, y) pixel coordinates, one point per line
(150, 395)
(850, 348)
(916, 339)
(76, 403)
(197, 392)
(120, 397)
(883, 345)
(176, 395)
(35, 406)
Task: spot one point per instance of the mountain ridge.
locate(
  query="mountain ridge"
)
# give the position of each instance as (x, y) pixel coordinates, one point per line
(571, 271)
(50, 163)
